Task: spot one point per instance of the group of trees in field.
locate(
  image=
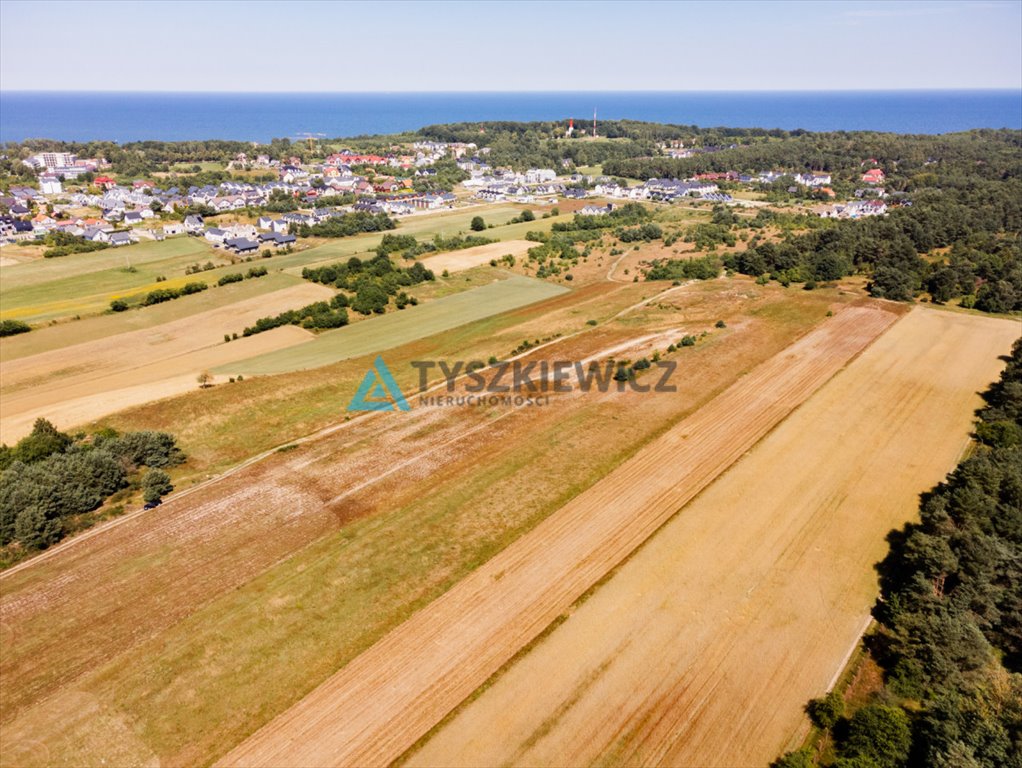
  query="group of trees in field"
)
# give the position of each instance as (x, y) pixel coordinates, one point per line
(49, 478)
(555, 254)
(950, 617)
(320, 315)
(345, 225)
(410, 248)
(367, 287)
(64, 243)
(705, 268)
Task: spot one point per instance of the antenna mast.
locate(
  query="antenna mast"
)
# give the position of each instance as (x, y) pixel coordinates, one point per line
(594, 122)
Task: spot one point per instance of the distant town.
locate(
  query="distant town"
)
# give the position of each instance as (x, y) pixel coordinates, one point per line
(77, 196)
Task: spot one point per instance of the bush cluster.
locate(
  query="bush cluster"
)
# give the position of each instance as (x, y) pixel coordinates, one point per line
(49, 477)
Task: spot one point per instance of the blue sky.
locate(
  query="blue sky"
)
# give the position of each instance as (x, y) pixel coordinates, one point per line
(181, 45)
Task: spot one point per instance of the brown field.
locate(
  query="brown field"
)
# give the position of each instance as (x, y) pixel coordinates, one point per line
(704, 647)
(380, 704)
(85, 381)
(456, 261)
(235, 598)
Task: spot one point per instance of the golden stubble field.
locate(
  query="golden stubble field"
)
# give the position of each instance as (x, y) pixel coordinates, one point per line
(704, 647)
(227, 604)
(384, 701)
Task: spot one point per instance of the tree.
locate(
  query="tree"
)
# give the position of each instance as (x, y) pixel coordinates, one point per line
(205, 379)
(369, 299)
(801, 758)
(879, 733)
(118, 305)
(478, 225)
(155, 484)
(826, 711)
(996, 297)
(44, 440)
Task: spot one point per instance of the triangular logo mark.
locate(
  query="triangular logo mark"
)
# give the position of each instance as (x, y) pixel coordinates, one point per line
(378, 391)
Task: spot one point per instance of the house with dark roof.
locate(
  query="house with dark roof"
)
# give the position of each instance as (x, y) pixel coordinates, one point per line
(241, 245)
(276, 239)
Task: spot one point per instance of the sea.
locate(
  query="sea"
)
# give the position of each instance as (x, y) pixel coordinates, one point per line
(124, 117)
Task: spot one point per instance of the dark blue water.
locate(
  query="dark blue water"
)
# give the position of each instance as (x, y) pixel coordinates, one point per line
(125, 117)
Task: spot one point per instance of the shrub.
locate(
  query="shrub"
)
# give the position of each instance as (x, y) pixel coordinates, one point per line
(155, 484)
(232, 277)
(160, 295)
(118, 305)
(13, 327)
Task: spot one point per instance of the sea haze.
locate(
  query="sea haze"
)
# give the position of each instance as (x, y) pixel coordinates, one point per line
(124, 117)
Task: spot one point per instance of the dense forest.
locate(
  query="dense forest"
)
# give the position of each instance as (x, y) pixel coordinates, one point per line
(949, 617)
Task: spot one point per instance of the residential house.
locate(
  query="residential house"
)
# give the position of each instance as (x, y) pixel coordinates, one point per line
(215, 236)
(277, 239)
(173, 228)
(193, 224)
(241, 245)
(874, 176)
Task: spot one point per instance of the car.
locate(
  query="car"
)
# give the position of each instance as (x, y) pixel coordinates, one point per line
(152, 504)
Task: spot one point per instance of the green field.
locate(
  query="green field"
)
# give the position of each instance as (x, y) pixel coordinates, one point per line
(146, 252)
(392, 330)
(62, 335)
(91, 293)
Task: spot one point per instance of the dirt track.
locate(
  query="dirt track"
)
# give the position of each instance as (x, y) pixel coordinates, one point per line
(378, 706)
(703, 648)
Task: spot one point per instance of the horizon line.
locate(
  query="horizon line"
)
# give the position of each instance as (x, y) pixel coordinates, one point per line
(1015, 89)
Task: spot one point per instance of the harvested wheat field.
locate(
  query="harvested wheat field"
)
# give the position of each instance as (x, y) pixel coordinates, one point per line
(384, 701)
(704, 647)
(457, 261)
